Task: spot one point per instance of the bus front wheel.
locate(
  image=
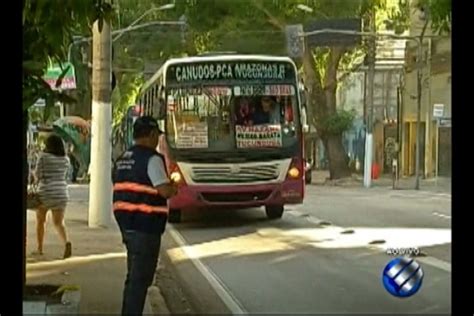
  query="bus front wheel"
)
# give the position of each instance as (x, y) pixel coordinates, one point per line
(274, 211)
(174, 216)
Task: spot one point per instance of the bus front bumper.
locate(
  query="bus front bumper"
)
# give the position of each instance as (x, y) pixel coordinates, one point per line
(238, 196)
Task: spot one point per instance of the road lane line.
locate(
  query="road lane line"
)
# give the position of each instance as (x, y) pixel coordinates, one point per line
(442, 215)
(231, 302)
(432, 261)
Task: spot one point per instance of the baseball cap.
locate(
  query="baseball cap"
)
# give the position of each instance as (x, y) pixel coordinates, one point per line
(144, 125)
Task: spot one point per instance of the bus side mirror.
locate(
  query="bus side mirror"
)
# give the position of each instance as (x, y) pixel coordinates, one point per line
(304, 119)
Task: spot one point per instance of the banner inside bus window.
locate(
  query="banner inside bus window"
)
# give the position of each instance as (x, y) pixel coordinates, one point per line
(218, 91)
(197, 91)
(270, 90)
(258, 136)
(192, 135)
(231, 71)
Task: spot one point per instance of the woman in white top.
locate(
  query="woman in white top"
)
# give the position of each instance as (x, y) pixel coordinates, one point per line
(51, 173)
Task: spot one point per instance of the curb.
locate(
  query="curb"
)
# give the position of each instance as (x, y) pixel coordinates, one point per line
(70, 301)
(155, 302)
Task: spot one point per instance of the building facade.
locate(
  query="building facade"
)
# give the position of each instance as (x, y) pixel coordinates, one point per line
(435, 141)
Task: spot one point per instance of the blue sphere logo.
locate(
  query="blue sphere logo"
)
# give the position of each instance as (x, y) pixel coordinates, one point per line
(402, 277)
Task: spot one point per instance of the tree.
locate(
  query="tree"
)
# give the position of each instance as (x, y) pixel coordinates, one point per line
(437, 13)
(257, 26)
(322, 67)
(46, 38)
(135, 50)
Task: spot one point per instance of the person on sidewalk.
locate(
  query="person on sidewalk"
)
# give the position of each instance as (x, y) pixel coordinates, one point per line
(75, 165)
(141, 190)
(51, 174)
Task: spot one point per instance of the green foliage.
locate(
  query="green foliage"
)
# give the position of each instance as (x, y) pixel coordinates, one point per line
(43, 115)
(338, 123)
(125, 95)
(399, 17)
(46, 38)
(438, 13)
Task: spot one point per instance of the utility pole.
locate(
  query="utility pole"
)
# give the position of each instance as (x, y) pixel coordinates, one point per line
(419, 77)
(369, 143)
(100, 194)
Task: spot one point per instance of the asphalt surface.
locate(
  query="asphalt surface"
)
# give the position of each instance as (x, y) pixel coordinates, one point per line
(325, 256)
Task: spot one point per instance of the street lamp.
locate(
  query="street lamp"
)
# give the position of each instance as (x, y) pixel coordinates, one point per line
(163, 7)
(124, 30)
(307, 9)
(80, 39)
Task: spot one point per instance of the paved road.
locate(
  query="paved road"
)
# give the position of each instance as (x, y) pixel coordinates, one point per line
(300, 264)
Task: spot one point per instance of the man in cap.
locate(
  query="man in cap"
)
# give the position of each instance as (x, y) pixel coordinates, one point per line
(141, 190)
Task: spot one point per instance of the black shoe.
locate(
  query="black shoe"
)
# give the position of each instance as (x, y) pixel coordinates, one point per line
(67, 250)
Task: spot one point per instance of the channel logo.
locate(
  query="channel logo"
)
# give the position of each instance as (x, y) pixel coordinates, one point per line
(402, 277)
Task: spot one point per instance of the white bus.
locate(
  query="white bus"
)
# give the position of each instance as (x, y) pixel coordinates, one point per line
(233, 131)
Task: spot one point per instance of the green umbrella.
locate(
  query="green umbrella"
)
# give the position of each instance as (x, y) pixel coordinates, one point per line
(75, 130)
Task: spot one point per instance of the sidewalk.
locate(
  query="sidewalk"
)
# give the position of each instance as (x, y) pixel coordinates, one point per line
(98, 264)
(439, 185)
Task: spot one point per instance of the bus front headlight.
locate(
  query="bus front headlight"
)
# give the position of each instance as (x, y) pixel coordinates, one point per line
(294, 172)
(176, 177)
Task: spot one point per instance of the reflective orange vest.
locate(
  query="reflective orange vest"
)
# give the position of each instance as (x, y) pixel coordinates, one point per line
(137, 204)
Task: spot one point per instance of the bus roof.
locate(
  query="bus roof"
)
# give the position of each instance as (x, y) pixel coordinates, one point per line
(217, 57)
(226, 57)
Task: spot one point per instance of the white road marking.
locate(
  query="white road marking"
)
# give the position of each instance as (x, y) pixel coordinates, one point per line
(440, 264)
(307, 217)
(442, 215)
(417, 195)
(232, 303)
(437, 263)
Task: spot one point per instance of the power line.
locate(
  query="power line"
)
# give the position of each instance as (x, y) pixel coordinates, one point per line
(220, 33)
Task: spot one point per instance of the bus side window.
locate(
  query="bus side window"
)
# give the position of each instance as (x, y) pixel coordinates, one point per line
(146, 103)
(141, 105)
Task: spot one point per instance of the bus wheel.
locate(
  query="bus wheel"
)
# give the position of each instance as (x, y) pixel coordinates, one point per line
(174, 216)
(274, 211)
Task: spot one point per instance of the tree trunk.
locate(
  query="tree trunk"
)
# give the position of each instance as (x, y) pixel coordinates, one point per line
(312, 79)
(338, 159)
(337, 156)
(82, 107)
(338, 162)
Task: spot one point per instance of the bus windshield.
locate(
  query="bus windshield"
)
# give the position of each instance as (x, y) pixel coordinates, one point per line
(228, 118)
(221, 106)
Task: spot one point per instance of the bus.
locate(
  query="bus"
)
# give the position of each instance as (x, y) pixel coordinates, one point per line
(233, 135)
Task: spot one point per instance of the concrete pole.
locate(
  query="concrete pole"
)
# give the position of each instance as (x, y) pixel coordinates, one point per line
(437, 150)
(369, 144)
(100, 194)
(418, 116)
(430, 133)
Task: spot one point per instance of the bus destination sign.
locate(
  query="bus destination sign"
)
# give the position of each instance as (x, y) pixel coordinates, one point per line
(230, 71)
